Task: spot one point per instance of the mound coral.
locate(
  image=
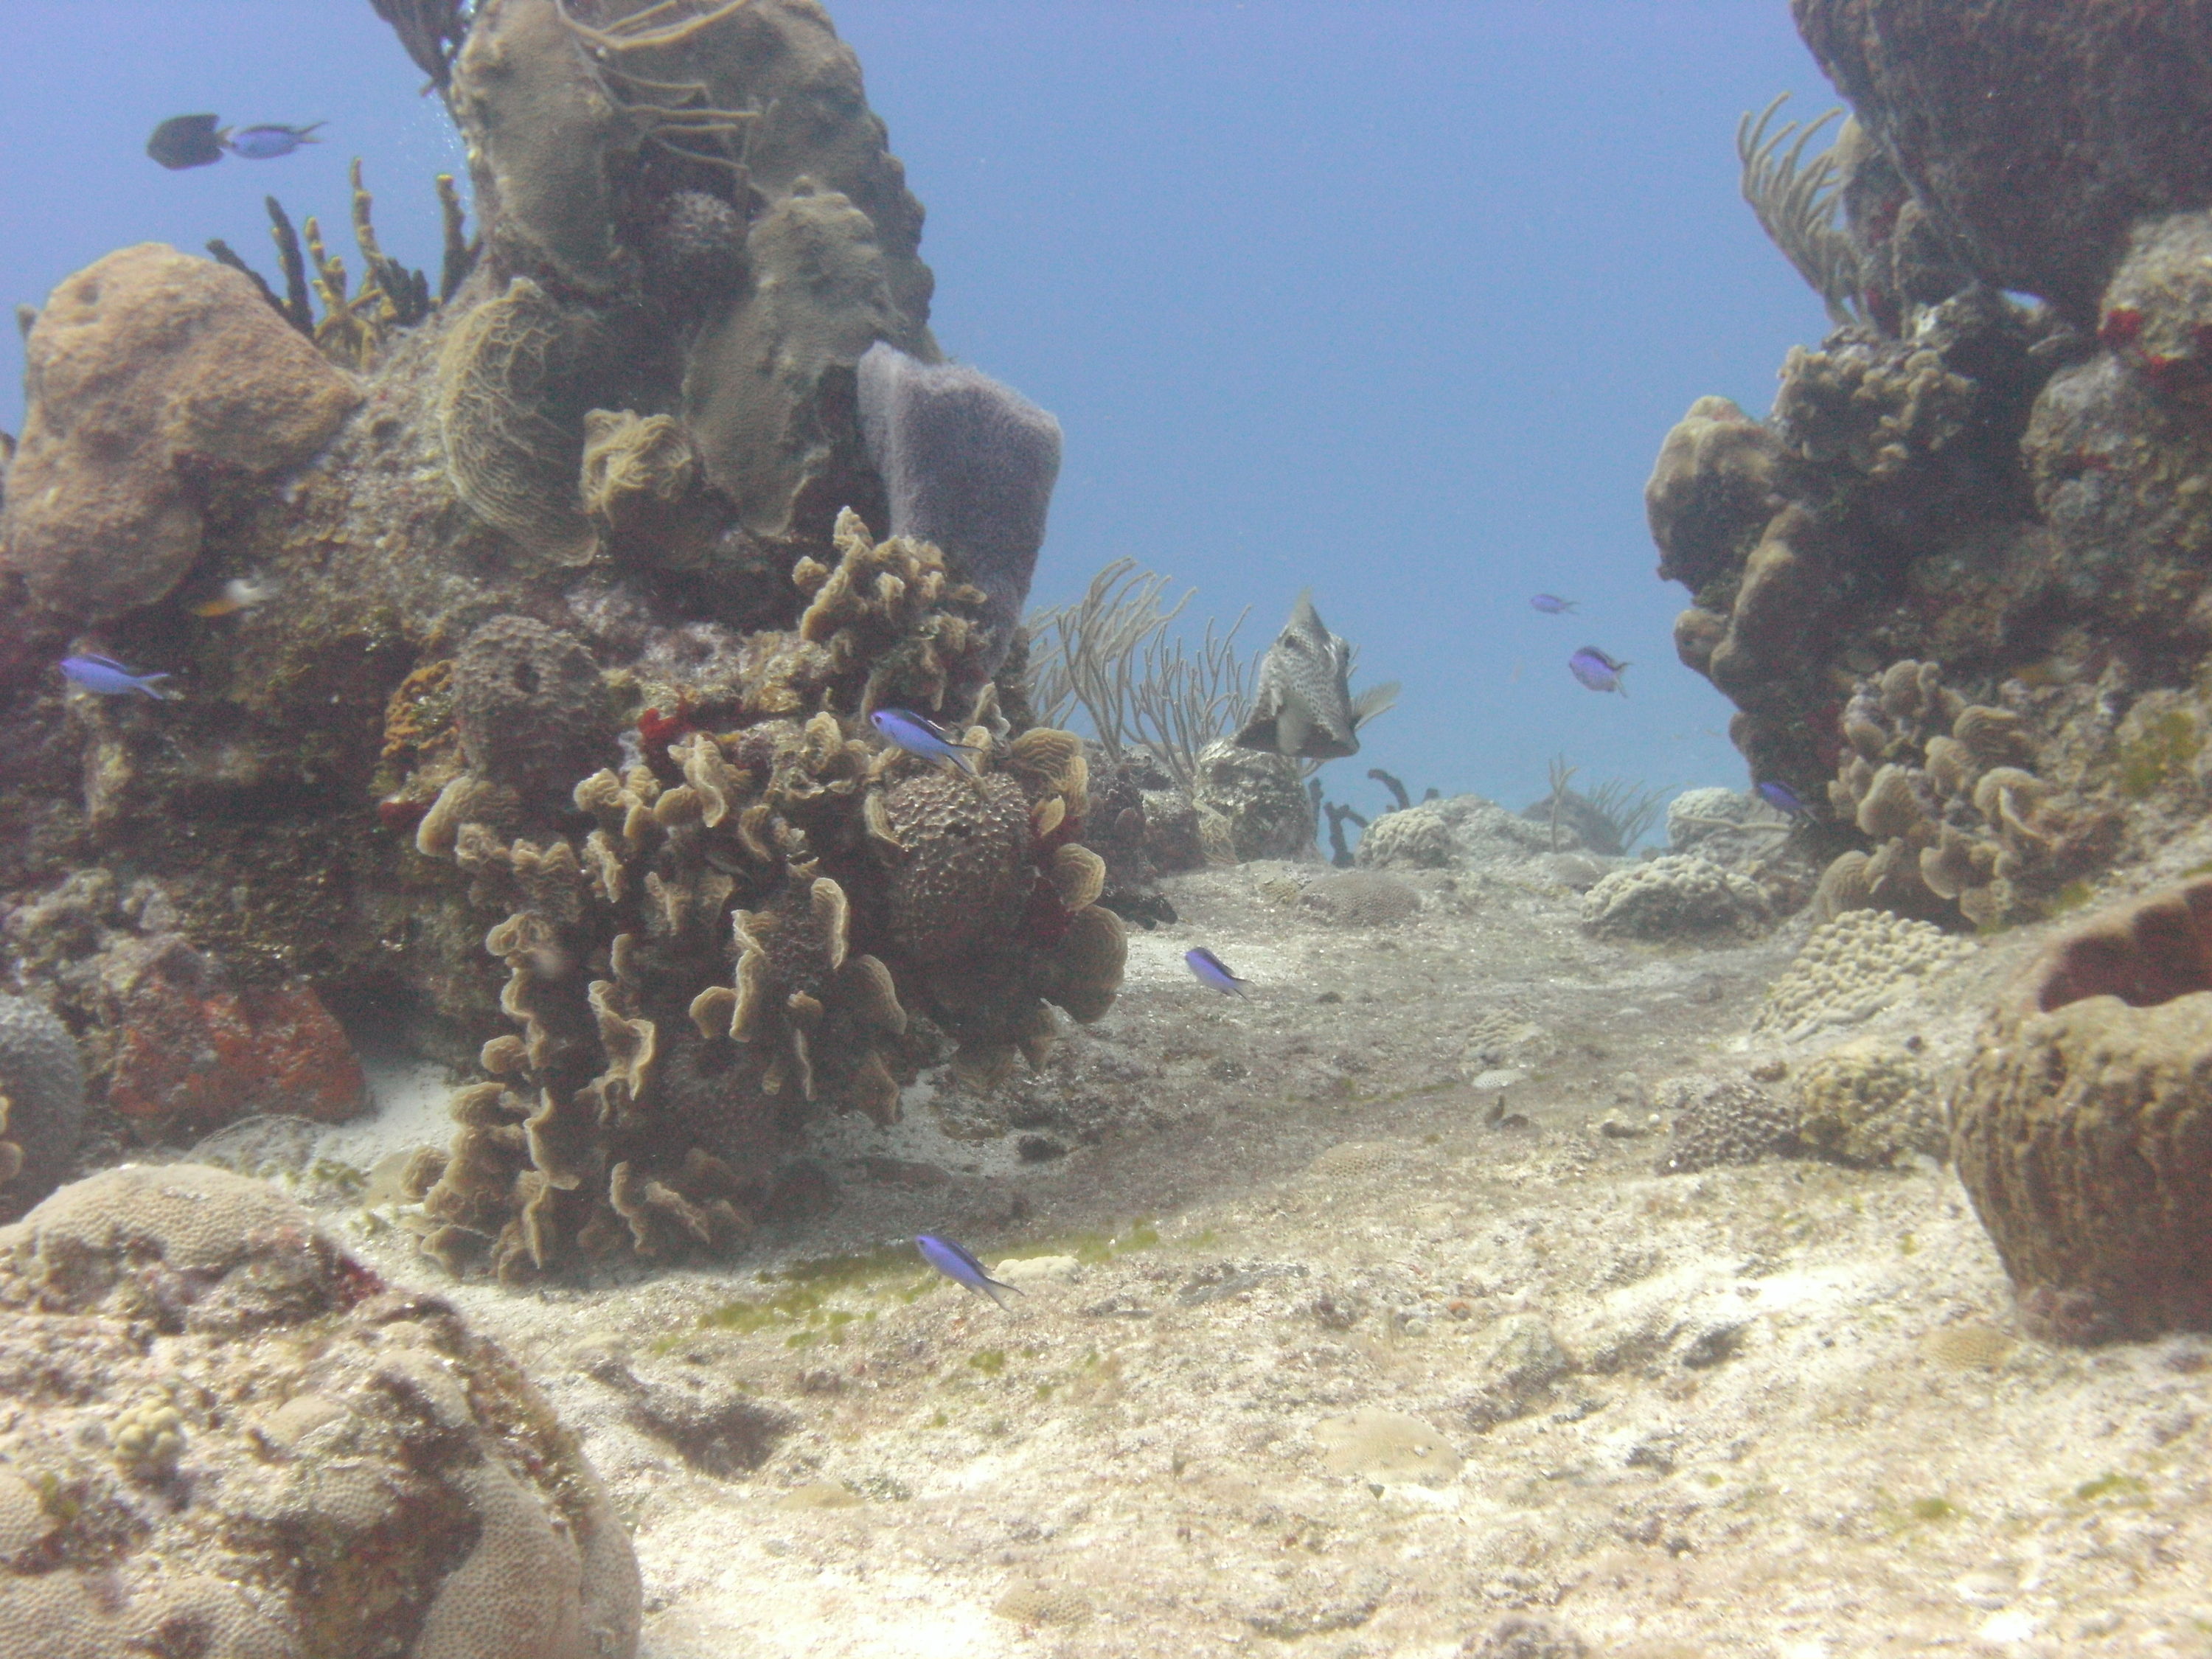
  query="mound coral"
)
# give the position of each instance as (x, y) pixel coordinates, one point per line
(2082, 1130)
(375, 1471)
(1720, 1121)
(155, 380)
(1361, 898)
(1869, 1102)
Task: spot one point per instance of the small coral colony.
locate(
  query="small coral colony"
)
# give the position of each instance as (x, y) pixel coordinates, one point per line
(608, 662)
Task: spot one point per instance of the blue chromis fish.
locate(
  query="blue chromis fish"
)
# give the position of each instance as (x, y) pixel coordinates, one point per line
(1781, 797)
(267, 143)
(1551, 604)
(955, 1264)
(1597, 671)
(1214, 972)
(110, 678)
(923, 737)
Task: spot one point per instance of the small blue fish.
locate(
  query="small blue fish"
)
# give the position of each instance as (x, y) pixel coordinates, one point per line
(266, 144)
(1782, 798)
(923, 736)
(1551, 604)
(110, 678)
(955, 1264)
(1597, 671)
(1214, 972)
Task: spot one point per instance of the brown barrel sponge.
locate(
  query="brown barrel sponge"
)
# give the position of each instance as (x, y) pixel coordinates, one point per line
(2082, 1126)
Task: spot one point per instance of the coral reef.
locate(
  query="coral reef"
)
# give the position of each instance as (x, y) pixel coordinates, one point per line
(1676, 897)
(2080, 1129)
(2099, 109)
(41, 1102)
(1851, 969)
(1959, 476)
(555, 753)
(214, 1398)
(764, 917)
(1720, 1121)
(969, 465)
(158, 385)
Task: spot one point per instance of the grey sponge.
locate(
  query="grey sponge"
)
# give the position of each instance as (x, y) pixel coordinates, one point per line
(969, 465)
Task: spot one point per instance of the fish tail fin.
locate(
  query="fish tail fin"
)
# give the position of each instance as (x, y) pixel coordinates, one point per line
(152, 686)
(992, 1286)
(968, 758)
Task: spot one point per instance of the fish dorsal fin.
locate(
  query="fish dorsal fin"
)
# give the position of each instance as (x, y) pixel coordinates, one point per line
(1372, 702)
(104, 660)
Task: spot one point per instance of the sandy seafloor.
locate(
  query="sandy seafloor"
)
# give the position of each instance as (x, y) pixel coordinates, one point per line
(1797, 1418)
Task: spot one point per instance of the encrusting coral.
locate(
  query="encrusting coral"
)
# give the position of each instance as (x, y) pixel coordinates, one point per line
(2082, 1131)
(1678, 896)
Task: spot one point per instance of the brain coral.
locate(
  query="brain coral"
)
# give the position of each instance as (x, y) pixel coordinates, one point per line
(151, 374)
(300, 1463)
(1680, 895)
(1851, 969)
(42, 1085)
(2082, 1126)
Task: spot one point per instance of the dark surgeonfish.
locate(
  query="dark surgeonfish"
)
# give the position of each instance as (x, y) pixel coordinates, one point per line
(195, 140)
(1304, 708)
(186, 141)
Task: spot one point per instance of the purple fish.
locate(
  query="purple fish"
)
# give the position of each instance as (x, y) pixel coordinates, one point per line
(957, 1265)
(1781, 797)
(919, 736)
(266, 144)
(1551, 604)
(1214, 972)
(110, 678)
(1597, 671)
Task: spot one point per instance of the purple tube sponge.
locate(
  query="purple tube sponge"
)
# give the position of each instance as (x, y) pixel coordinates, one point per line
(968, 464)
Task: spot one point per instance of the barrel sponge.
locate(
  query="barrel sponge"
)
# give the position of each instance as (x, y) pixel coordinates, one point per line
(147, 370)
(531, 707)
(42, 1081)
(384, 1479)
(968, 464)
(2081, 1127)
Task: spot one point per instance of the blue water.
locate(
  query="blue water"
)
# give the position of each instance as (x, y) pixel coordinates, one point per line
(1394, 301)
